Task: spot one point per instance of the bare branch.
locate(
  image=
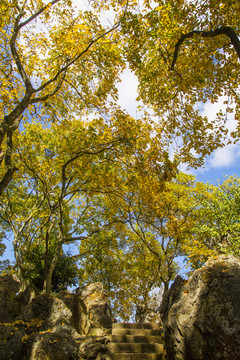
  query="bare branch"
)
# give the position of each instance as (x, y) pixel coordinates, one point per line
(81, 152)
(35, 209)
(143, 238)
(81, 237)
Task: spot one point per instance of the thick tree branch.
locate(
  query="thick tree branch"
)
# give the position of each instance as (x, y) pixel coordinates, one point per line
(16, 56)
(7, 179)
(10, 170)
(47, 96)
(223, 30)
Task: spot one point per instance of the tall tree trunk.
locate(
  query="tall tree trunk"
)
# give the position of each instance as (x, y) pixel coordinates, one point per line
(165, 286)
(19, 265)
(48, 277)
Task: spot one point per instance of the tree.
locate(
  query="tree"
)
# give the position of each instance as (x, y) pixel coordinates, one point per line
(86, 170)
(54, 59)
(62, 169)
(38, 206)
(65, 273)
(184, 54)
(217, 225)
(139, 254)
(162, 219)
(125, 267)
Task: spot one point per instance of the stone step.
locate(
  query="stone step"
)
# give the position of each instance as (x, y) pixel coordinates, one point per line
(135, 348)
(127, 356)
(137, 339)
(140, 332)
(153, 326)
(141, 341)
(101, 356)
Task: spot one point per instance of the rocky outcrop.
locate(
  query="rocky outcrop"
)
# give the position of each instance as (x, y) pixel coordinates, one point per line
(97, 308)
(201, 316)
(9, 286)
(91, 347)
(59, 327)
(147, 314)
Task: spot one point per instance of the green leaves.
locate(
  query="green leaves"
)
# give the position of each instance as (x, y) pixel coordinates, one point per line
(145, 227)
(220, 209)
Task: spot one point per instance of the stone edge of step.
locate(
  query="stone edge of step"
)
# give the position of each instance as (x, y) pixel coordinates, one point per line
(136, 348)
(135, 356)
(137, 339)
(142, 332)
(153, 326)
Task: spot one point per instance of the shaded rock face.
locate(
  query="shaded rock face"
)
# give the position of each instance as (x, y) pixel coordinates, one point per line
(49, 327)
(201, 316)
(9, 286)
(93, 346)
(145, 314)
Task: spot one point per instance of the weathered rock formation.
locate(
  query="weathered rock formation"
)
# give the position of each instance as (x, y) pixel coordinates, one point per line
(147, 314)
(9, 286)
(201, 316)
(61, 327)
(96, 305)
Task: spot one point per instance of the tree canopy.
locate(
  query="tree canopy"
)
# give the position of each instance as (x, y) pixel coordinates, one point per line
(77, 169)
(54, 59)
(217, 226)
(57, 59)
(139, 253)
(186, 53)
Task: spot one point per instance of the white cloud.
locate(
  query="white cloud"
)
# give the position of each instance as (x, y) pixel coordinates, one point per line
(225, 157)
(210, 110)
(127, 89)
(228, 155)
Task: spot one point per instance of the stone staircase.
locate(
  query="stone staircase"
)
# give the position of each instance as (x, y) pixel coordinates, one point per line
(143, 341)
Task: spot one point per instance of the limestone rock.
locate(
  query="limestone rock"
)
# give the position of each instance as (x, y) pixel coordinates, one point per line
(171, 297)
(45, 327)
(11, 344)
(80, 319)
(95, 301)
(53, 346)
(9, 286)
(201, 316)
(91, 347)
(41, 332)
